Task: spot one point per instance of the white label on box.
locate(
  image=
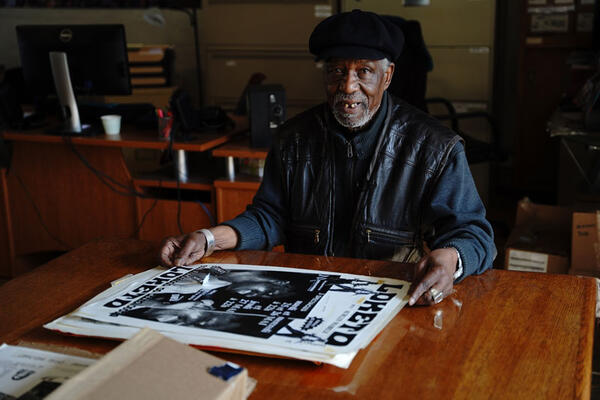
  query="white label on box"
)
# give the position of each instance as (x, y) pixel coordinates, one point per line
(469, 106)
(549, 23)
(550, 10)
(322, 11)
(479, 50)
(415, 3)
(519, 260)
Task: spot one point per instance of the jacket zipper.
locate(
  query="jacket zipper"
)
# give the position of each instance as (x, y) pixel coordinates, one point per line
(309, 229)
(372, 234)
(373, 165)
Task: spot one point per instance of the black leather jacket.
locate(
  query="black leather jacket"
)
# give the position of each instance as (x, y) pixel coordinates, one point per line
(409, 196)
(387, 222)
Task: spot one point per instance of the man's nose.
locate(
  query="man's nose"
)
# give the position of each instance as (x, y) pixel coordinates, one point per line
(349, 83)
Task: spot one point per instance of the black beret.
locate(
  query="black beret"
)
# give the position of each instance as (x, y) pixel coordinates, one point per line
(356, 34)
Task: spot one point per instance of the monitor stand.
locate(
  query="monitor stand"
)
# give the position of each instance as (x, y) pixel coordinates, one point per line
(65, 130)
(66, 96)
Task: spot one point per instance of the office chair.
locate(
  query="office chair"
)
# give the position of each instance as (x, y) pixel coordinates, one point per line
(409, 83)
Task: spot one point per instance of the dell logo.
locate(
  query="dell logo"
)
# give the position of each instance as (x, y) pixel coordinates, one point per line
(65, 35)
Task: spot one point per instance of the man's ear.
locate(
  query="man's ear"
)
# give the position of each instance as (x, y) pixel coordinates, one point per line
(389, 73)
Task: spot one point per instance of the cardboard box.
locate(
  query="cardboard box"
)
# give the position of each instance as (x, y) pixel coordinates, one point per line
(585, 249)
(540, 240)
(151, 366)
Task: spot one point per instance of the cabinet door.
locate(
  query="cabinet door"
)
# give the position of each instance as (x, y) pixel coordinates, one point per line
(233, 197)
(52, 195)
(283, 24)
(161, 218)
(229, 72)
(444, 22)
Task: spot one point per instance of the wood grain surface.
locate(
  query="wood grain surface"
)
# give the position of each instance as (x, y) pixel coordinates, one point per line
(51, 202)
(505, 334)
(232, 198)
(58, 204)
(240, 148)
(7, 242)
(130, 138)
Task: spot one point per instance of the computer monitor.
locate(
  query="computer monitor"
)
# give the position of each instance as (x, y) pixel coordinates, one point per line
(96, 56)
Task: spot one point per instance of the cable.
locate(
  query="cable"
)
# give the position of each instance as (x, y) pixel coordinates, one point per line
(211, 218)
(103, 177)
(55, 237)
(179, 206)
(39, 214)
(128, 191)
(139, 227)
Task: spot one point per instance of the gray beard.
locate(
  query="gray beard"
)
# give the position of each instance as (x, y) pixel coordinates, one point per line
(345, 119)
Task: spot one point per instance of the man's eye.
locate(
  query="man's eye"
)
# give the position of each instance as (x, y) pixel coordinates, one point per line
(364, 70)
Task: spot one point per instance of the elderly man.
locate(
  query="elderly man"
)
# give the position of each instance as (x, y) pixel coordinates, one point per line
(364, 175)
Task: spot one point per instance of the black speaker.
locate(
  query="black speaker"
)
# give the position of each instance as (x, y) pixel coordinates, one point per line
(266, 110)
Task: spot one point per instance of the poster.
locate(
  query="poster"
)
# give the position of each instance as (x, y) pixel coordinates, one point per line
(306, 314)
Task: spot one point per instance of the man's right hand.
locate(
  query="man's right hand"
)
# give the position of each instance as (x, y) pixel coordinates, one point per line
(182, 250)
(187, 249)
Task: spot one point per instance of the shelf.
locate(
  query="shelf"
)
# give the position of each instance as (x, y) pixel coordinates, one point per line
(240, 149)
(172, 184)
(164, 178)
(129, 138)
(240, 182)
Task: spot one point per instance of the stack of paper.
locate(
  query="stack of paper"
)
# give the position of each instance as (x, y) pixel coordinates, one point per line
(27, 373)
(151, 65)
(151, 366)
(305, 314)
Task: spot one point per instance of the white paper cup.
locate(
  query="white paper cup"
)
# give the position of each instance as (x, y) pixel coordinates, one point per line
(112, 124)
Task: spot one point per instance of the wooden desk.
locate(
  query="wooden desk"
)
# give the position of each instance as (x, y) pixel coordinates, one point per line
(505, 334)
(132, 138)
(76, 206)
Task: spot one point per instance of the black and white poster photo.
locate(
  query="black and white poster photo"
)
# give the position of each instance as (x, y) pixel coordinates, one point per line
(282, 306)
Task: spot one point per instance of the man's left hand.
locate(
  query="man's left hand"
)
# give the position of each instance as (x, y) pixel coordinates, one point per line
(434, 273)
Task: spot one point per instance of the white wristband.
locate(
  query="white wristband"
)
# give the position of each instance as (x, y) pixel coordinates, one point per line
(210, 241)
(459, 266)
